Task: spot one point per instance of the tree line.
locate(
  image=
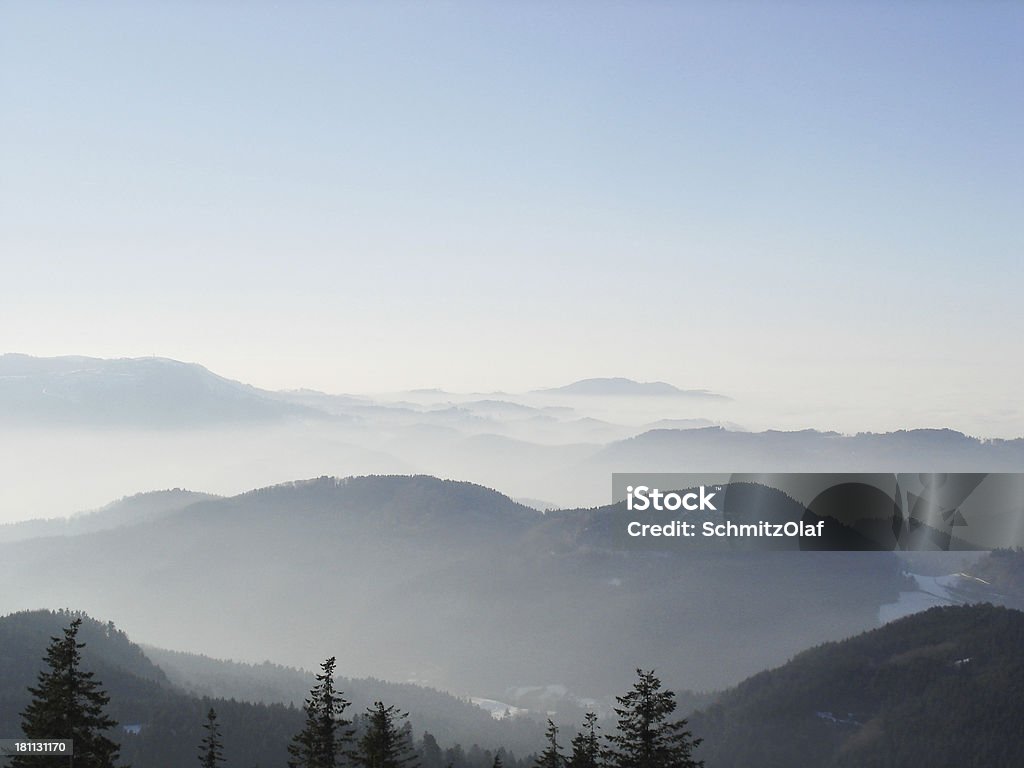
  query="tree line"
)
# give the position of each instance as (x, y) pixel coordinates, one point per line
(68, 703)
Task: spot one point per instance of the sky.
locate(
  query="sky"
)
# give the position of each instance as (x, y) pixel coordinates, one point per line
(797, 202)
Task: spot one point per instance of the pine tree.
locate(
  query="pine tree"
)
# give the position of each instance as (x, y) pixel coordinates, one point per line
(322, 742)
(646, 738)
(431, 755)
(586, 747)
(552, 756)
(67, 703)
(385, 744)
(211, 751)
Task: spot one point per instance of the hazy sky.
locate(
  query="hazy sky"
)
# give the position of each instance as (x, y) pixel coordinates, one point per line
(818, 199)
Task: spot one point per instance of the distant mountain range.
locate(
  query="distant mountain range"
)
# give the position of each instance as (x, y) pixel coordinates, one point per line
(113, 420)
(159, 392)
(622, 387)
(156, 391)
(710, 449)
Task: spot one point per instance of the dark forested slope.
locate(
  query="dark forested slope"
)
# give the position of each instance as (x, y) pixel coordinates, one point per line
(940, 688)
(164, 715)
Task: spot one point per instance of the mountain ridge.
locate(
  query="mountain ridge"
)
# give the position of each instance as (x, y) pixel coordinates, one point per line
(400, 552)
(620, 386)
(150, 391)
(128, 510)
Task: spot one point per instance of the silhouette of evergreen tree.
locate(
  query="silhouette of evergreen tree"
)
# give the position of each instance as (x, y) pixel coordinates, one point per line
(211, 750)
(431, 755)
(385, 744)
(324, 739)
(67, 703)
(552, 756)
(645, 737)
(586, 747)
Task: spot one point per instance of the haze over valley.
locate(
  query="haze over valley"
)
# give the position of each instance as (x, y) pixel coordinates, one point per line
(508, 569)
(324, 328)
(113, 428)
(455, 551)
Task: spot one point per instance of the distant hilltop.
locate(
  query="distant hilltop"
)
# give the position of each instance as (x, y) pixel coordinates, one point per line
(621, 387)
(147, 391)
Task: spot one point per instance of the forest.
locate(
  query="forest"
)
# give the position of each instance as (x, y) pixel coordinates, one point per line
(70, 702)
(938, 688)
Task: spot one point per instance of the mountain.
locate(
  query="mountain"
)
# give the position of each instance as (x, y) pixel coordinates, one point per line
(130, 510)
(151, 392)
(622, 387)
(107, 426)
(449, 584)
(717, 449)
(684, 424)
(940, 688)
(710, 449)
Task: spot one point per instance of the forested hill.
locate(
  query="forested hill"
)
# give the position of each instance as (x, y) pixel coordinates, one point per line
(451, 720)
(450, 585)
(940, 688)
(406, 506)
(131, 510)
(171, 712)
(140, 694)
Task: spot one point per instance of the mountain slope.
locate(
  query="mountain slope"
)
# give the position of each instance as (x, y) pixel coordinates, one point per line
(940, 688)
(257, 729)
(130, 510)
(140, 694)
(448, 584)
(150, 392)
(449, 719)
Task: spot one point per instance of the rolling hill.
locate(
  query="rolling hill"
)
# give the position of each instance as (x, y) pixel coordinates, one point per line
(448, 584)
(940, 688)
(130, 510)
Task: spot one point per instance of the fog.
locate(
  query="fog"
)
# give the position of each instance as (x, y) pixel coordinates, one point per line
(78, 434)
(500, 596)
